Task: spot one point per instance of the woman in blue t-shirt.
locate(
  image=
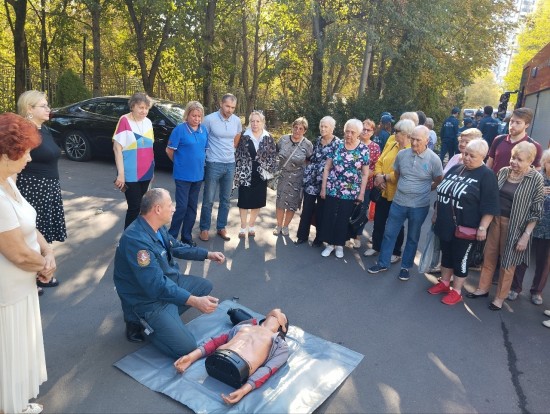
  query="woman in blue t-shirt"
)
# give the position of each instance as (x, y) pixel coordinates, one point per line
(187, 149)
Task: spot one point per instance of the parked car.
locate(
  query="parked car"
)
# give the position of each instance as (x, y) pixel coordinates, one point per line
(85, 129)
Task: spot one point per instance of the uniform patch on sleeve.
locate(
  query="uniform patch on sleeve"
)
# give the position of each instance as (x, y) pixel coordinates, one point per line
(143, 258)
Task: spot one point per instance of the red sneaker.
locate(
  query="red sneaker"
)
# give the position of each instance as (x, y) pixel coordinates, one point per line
(439, 288)
(452, 298)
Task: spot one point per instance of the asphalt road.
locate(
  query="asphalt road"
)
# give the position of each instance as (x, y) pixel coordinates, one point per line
(420, 355)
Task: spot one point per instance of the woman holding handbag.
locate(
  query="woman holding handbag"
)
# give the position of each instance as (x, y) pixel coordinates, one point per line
(521, 197)
(467, 200)
(295, 151)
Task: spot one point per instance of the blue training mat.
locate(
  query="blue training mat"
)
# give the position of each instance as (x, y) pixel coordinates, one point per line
(314, 370)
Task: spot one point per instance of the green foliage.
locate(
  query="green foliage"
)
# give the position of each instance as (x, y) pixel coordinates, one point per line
(534, 35)
(484, 91)
(70, 89)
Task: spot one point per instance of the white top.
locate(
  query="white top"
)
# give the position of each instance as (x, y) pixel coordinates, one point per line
(15, 283)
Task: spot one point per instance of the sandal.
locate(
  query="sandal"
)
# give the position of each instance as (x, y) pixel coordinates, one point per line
(251, 232)
(242, 233)
(52, 283)
(40, 291)
(33, 408)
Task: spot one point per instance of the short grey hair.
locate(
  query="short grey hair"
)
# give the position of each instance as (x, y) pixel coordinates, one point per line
(429, 123)
(229, 97)
(413, 116)
(328, 120)
(29, 98)
(406, 126)
(354, 123)
(138, 98)
(478, 145)
(424, 131)
(152, 198)
(258, 114)
(474, 133)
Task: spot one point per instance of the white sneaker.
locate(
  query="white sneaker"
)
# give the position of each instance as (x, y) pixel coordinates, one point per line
(339, 252)
(547, 312)
(276, 231)
(370, 252)
(284, 231)
(328, 250)
(546, 323)
(356, 243)
(394, 259)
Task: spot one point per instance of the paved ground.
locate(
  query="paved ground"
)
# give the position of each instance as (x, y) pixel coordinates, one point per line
(420, 356)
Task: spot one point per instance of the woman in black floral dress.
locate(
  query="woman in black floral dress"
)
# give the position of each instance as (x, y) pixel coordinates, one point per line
(255, 159)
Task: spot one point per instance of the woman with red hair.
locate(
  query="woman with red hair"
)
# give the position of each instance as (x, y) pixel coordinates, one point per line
(24, 255)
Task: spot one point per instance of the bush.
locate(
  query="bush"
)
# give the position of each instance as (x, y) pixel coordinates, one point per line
(69, 89)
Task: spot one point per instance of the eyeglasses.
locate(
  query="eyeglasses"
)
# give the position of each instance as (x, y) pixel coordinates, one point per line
(397, 131)
(368, 130)
(41, 106)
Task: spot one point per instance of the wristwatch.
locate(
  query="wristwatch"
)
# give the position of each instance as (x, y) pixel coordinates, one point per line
(481, 228)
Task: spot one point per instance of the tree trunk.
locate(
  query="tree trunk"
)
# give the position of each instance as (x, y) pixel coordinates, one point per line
(206, 65)
(253, 96)
(147, 76)
(365, 68)
(95, 11)
(319, 25)
(19, 43)
(246, 58)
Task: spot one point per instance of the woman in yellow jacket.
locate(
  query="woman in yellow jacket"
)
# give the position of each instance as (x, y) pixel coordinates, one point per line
(384, 179)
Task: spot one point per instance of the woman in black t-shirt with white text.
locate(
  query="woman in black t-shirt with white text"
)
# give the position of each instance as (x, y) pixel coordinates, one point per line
(467, 196)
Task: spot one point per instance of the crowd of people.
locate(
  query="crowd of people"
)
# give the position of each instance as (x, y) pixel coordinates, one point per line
(494, 192)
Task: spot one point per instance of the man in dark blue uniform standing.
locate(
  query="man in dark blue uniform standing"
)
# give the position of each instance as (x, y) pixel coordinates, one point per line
(449, 135)
(152, 291)
(488, 125)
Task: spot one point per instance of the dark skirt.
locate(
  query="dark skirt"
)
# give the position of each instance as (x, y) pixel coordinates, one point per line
(254, 196)
(44, 194)
(336, 215)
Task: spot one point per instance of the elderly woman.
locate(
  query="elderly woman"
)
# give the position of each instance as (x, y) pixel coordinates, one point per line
(374, 154)
(39, 180)
(256, 160)
(187, 149)
(344, 181)
(294, 152)
(313, 177)
(467, 196)
(134, 158)
(24, 255)
(384, 179)
(520, 197)
(464, 139)
(541, 243)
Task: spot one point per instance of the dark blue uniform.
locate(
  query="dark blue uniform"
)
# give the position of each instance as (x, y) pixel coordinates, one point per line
(150, 285)
(381, 139)
(489, 127)
(449, 137)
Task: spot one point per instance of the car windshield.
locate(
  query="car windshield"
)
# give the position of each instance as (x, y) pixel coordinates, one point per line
(172, 111)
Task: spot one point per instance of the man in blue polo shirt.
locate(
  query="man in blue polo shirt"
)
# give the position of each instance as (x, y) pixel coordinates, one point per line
(418, 171)
(224, 129)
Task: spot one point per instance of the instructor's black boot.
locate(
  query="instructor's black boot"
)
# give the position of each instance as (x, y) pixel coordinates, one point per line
(133, 332)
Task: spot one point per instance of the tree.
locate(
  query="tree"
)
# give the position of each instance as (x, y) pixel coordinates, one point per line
(206, 63)
(484, 91)
(534, 35)
(17, 26)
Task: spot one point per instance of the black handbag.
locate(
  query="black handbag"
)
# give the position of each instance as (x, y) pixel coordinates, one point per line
(359, 217)
(375, 194)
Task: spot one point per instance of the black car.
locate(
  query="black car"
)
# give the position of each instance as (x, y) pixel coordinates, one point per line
(85, 129)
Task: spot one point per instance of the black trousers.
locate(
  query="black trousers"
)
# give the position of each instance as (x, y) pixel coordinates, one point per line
(134, 194)
(381, 214)
(312, 206)
(336, 215)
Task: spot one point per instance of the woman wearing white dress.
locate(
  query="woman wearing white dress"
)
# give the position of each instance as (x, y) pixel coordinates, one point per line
(24, 255)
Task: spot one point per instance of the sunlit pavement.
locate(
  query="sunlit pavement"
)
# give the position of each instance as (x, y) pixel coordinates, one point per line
(420, 355)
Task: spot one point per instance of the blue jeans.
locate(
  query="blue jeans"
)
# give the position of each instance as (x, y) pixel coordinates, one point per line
(187, 198)
(171, 336)
(216, 174)
(415, 217)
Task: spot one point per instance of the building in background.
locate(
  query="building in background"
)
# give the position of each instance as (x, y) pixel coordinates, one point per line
(517, 16)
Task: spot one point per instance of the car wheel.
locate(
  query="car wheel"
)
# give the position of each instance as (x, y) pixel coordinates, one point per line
(77, 147)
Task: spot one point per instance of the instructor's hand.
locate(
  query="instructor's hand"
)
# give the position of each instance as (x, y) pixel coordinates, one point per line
(206, 304)
(217, 257)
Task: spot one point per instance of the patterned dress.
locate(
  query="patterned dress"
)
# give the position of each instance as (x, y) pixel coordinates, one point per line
(290, 186)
